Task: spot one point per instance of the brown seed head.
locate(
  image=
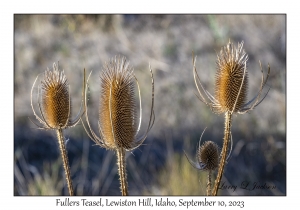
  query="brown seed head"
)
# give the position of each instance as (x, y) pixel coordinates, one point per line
(55, 98)
(231, 79)
(208, 155)
(118, 120)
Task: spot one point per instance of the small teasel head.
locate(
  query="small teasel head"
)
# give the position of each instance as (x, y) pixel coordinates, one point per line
(119, 121)
(208, 155)
(231, 82)
(54, 100)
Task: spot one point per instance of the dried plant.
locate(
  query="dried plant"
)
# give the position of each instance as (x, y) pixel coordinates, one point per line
(207, 159)
(230, 92)
(55, 109)
(119, 122)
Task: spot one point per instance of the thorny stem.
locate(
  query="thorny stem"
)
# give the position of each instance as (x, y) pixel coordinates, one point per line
(228, 118)
(122, 170)
(64, 156)
(208, 187)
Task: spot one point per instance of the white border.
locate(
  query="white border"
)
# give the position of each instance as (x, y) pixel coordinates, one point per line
(9, 9)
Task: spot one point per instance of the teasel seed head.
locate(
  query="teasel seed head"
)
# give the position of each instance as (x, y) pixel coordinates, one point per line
(208, 155)
(117, 112)
(55, 98)
(119, 121)
(231, 79)
(54, 101)
(231, 82)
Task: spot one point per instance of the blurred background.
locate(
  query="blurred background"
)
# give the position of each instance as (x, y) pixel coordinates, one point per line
(166, 42)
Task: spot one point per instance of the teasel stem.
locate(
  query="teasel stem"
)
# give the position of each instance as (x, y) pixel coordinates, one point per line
(122, 171)
(64, 156)
(227, 131)
(208, 187)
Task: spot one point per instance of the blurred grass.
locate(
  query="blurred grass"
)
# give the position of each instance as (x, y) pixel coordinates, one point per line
(166, 42)
(34, 182)
(182, 179)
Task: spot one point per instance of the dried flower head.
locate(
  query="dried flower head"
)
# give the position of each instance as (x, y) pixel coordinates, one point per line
(231, 79)
(231, 82)
(207, 156)
(117, 112)
(54, 103)
(119, 123)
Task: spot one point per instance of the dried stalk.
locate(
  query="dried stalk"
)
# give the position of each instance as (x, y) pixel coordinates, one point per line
(65, 160)
(228, 118)
(122, 171)
(208, 187)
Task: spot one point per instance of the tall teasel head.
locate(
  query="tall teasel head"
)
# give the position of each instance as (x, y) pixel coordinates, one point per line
(119, 122)
(54, 101)
(231, 82)
(231, 79)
